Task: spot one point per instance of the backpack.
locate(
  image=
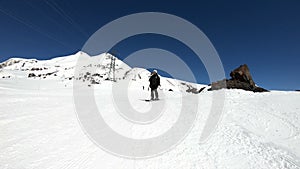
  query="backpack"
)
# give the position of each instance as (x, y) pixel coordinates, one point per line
(154, 81)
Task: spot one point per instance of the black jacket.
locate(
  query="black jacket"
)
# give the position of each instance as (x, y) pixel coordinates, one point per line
(154, 81)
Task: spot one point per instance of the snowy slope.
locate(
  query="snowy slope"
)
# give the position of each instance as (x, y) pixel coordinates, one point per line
(39, 128)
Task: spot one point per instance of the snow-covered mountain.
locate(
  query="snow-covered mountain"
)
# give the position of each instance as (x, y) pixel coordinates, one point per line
(40, 126)
(62, 69)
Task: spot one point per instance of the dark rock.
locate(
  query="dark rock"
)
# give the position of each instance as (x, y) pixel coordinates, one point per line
(31, 75)
(240, 79)
(36, 69)
(237, 84)
(192, 89)
(201, 89)
(218, 85)
(259, 89)
(96, 74)
(242, 74)
(94, 82)
(170, 90)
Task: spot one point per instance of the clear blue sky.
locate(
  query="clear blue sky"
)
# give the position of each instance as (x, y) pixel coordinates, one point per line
(264, 34)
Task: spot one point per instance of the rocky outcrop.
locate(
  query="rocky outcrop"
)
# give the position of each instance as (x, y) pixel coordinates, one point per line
(36, 69)
(192, 89)
(242, 74)
(31, 75)
(240, 79)
(8, 63)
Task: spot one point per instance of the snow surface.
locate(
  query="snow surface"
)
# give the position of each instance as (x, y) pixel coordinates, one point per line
(39, 128)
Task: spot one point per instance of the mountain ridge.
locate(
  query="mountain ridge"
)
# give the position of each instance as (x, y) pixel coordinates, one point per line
(91, 70)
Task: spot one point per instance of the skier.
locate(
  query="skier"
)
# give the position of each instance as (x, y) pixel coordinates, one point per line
(154, 83)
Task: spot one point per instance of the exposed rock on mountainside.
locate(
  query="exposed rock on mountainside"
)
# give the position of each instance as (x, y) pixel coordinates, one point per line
(240, 79)
(8, 63)
(242, 74)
